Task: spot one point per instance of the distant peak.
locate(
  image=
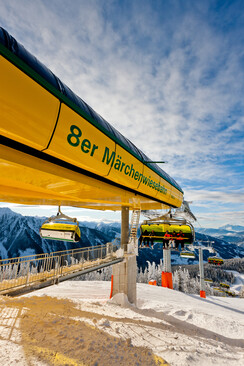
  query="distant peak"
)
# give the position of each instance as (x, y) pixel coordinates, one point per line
(8, 211)
(230, 227)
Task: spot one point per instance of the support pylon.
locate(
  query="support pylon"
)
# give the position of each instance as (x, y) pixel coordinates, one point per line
(167, 280)
(202, 282)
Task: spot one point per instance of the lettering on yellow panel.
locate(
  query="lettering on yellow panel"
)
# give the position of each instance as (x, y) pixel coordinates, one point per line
(125, 168)
(176, 197)
(150, 183)
(164, 193)
(80, 143)
(171, 197)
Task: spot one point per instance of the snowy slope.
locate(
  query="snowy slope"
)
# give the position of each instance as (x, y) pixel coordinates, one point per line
(239, 281)
(182, 329)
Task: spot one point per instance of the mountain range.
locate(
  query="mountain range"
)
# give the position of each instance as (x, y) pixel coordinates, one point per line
(229, 233)
(19, 236)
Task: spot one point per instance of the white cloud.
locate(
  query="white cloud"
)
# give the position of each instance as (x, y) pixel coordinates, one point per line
(170, 84)
(120, 84)
(215, 196)
(217, 219)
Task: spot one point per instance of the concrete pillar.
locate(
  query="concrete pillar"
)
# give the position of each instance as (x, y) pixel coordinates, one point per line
(124, 273)
(167, 260)
(124, 278)
(167, 272)
(124, 227)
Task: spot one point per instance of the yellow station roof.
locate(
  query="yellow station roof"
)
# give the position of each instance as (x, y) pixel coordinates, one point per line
(55, 150)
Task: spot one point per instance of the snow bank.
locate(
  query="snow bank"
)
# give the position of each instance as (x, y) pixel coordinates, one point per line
(239, 281)
(74, 323)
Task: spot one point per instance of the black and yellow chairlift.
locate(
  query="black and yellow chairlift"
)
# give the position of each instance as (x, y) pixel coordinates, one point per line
(215, 260)
(154, 229)
(208, 280)
(224, 285)
(61, 227)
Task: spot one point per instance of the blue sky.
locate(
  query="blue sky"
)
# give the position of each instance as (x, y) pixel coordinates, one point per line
(169, 75)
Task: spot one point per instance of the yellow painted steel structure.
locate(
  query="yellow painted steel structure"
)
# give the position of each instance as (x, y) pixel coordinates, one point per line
(52, 153)
(162, 228)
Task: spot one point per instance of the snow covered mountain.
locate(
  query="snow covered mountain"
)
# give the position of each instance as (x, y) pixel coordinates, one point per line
(229, 233)
(19, 235)
(110, 229)
(224, 249)
(232, 227)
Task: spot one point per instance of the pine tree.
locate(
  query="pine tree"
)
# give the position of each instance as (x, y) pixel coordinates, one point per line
(176, 280)
(241, 293)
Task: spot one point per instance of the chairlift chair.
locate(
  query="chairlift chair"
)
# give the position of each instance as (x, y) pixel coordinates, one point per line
(187, 254)
(218, 289)
(217, 261)
(61, 227)
(208, 280)
(159, 229)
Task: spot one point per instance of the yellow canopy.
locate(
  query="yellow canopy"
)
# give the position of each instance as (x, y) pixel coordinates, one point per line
(55, 150)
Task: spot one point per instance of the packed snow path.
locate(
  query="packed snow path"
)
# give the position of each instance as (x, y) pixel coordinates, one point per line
(74, 323)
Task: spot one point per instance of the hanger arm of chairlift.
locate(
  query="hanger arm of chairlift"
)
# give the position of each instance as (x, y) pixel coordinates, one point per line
(60, 215)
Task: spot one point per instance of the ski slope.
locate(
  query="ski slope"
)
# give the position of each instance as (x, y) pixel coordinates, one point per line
(239, 281)
(75, 323)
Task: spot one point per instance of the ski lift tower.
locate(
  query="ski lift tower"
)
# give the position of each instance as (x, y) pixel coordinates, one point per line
(167, 280)
(180, 216)
(201, 248)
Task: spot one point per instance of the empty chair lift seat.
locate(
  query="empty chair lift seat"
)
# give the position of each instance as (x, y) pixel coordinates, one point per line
(187, 254)
(61, 227)
(60, 231)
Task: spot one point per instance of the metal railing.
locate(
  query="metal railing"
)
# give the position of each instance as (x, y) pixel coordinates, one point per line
(27, 271)
(43, 255)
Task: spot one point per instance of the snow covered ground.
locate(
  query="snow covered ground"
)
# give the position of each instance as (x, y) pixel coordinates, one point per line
(239, 281)
(74, 323)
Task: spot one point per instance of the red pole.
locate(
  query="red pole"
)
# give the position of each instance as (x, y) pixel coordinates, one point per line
(203, 294)
(112, 285)
(166, 280)
(169, 280)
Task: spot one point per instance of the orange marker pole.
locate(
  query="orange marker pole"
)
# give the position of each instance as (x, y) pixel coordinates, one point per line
(169, 280)
(112, 285)
(164, 280)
